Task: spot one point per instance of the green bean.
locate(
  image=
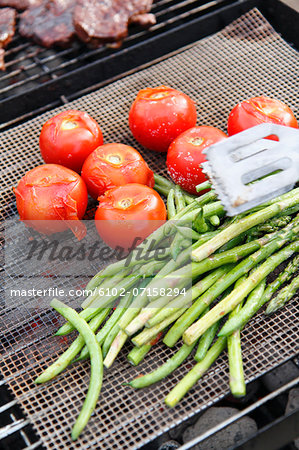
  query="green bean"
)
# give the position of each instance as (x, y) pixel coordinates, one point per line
(171, 210)
(163, 186)
(110, 323)
(163, 371)
(214, 220)
(176, 245)
(180, 201)
(203, 186)
(137, 354)
(67, 357)
(96, 363)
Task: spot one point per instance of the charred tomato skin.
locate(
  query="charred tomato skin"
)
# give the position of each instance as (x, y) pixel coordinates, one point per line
(257, 110)
(126, 215)
(158, 115)
(185, 155)
(112, 165)
(52, 198)
(68, 138)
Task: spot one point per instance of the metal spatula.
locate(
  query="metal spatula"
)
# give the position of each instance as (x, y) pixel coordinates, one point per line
(247, 170)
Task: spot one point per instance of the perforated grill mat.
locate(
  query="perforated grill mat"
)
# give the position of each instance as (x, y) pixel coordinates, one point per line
(247, 58)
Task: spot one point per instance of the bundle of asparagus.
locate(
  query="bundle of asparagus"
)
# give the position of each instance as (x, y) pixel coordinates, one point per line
(227, 261)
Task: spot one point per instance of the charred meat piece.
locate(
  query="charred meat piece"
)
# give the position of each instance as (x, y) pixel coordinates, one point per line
(7, 25)
(143, 20)
(2, 63)
(20, 4)
(100, 21)
(49, 24)
(7, 30)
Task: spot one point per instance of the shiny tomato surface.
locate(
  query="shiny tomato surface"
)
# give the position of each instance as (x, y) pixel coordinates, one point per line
(68, 139)
(185, 155)
(52, 198)
(126, 215)
(259, 110)
(112, 165)
(158, 115)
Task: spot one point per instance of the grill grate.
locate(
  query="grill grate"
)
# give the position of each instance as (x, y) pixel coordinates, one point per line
(29, 65)
(247, 58)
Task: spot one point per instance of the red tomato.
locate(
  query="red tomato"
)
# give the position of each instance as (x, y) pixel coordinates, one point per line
(68, 139)
(128, 214)
(114, 165)
(185, 155)
(158, 115)
(52, 198)
(258, 110)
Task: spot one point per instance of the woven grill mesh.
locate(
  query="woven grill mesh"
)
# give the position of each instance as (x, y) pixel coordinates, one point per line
(247, 58)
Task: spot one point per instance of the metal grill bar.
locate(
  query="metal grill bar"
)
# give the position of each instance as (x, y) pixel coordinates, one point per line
(96, 52)
(241, 414)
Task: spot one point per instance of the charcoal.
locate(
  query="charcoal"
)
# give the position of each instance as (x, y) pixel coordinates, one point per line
(280, 376)
(226, 438)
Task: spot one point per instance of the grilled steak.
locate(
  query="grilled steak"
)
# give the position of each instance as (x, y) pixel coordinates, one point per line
(100, 21)
(20, 4)
(7, 30)
(49, 24)
(7, 25)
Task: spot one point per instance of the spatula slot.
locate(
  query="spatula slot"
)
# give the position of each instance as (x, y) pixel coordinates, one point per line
(266, 171)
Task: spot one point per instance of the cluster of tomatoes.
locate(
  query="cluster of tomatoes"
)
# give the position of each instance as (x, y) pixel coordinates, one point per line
(53, 196)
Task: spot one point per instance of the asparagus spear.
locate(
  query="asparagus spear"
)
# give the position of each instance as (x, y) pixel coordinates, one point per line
(178, 392)
(258, 298)
(283, 296)
(106, 300)
(148, 333)
(182, 276)
(232, 300)
(185, 298)
(157, 283)
(236, 371)
(243, 225)
(115, 348)
(227, 280)
(205, 342)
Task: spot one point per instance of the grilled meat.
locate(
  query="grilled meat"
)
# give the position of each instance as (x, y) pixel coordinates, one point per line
(7, 30)
(100, 21)
(144, 20)
(49, 24)
(20, 4)
(2, 62)
(7, 25)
